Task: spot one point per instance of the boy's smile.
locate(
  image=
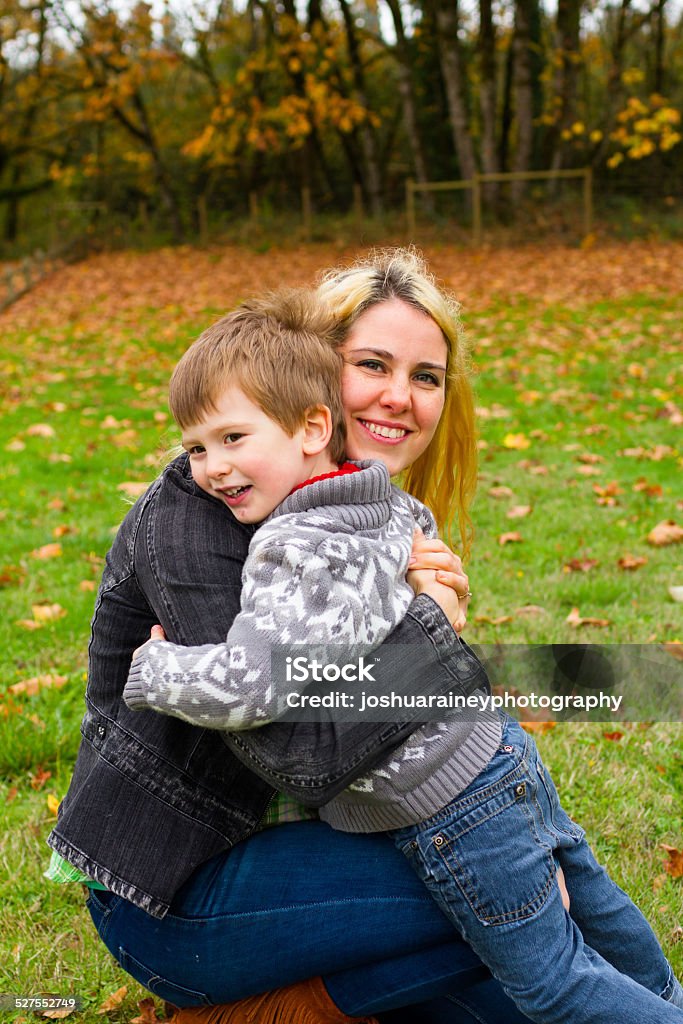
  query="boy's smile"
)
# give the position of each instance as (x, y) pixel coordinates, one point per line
(246, 460)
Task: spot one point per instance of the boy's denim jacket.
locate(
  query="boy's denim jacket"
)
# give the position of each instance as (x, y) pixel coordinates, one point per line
(152, 797)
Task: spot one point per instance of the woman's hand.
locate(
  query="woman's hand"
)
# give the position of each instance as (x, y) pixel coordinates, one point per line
(156, 633)
(446, 570)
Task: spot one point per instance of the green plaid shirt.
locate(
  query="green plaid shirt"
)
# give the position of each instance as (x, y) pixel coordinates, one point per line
(281, 809)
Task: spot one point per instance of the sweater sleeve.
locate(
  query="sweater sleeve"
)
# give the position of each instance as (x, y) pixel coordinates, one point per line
(295, 592)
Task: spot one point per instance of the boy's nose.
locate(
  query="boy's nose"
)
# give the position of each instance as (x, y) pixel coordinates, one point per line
(217, 468)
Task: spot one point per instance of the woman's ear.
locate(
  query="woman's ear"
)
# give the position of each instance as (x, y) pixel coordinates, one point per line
(317, 429)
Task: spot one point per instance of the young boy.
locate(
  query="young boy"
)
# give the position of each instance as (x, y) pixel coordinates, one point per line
(468, 802)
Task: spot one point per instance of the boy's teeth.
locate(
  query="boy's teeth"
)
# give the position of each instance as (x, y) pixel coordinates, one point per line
(236, 490)
(375, 428)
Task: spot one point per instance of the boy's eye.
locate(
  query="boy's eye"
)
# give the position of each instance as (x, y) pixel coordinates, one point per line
(195, 449)
(231, 438)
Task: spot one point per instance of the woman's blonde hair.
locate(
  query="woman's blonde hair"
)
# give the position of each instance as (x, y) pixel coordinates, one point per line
(444, 477)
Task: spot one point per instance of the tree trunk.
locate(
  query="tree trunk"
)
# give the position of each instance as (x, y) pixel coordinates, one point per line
(487, 96)
(450, 59)
(566, 81)
(523, 88)
(366, 131)
(406, 86)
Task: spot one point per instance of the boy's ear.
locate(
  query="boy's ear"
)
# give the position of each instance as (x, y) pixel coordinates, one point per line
(317, 429)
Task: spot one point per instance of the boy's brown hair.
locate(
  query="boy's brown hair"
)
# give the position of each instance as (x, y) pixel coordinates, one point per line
(279, 350)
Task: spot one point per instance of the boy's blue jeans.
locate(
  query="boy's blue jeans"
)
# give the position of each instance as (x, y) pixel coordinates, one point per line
(490, 858)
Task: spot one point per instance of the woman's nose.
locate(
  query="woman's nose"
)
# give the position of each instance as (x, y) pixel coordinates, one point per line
(396, 394)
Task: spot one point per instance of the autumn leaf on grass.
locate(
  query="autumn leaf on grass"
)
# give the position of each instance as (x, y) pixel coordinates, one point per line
(518, 511)
(575, 620)
(530, 610)
(589, 459)
(41, 430)
(148, 1013)
(510, 538)
(666, 532)
(52, 804)
(31, 686)
(11, 575)
(641, 486)
(42, 613)
(674, 863)
(516, 442)
(675, 649)
(114, 1000)
(500, 492)
(631, 562)
(676, 593)
(39, 777)
(580, 565)
(501, 620)
(15, 445)
(132, 488)
(47, 551)
(614, 737)
(87, 585)
(538, 727)
(64, 530)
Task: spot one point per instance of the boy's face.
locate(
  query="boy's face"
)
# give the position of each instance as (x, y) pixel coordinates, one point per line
(243, 458)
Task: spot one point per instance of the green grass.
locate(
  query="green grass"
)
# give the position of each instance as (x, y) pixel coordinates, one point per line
(588, 381)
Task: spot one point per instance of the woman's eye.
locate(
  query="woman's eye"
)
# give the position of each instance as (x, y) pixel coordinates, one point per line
(428, 378)
(371, 364)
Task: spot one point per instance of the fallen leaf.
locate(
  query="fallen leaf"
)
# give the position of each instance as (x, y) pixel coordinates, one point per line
(57, 505)
(52, 804)
(64, 530)
(590, 459)
(575, 619)
(580, 564)
(631, 562)
(31, 686)
(510, 538)
(530, 610)
(132, 488)
(87, 585)
(516, 442)
(114, 1000)
(500, 492)
(538, 727)
(641, 486)
(12, 794)
(39, 778)
(11, 575)
(148, 1013)
(493, 622)
(588, 470)
(15, 445)
(518, 511)
(47, 551)
(675, 649)
(608, 491)
(666, 532)
(676, 593)
(47, 612)
(613, 736)
(674, 864)
(41, 430)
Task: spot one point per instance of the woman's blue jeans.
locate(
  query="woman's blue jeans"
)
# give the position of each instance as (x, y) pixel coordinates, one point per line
(490, 861)
(302, 900)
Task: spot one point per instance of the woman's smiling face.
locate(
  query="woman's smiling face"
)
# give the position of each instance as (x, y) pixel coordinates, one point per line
(393, 383)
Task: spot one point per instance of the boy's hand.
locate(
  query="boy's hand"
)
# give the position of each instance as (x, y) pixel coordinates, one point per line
(156, 633)
(431, 553)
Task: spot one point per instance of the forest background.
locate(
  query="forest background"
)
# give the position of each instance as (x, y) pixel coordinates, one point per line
(175, 121)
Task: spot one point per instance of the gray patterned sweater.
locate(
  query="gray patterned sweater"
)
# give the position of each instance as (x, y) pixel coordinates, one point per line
(327, 567)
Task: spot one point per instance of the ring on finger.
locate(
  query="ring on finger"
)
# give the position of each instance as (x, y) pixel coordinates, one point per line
(463, 597)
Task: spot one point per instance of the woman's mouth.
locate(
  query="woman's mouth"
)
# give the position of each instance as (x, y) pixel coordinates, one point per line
(384, 432)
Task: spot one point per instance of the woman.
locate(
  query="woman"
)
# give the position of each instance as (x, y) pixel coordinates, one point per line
(159, 812)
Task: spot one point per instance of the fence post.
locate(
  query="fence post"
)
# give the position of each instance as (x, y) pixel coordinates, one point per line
(306, 211)
(202, 220)
(588, 202)
(476, 209)
(410, 207)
